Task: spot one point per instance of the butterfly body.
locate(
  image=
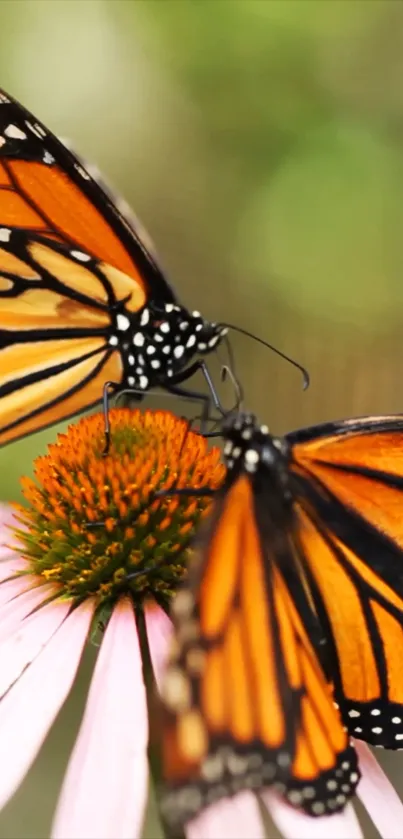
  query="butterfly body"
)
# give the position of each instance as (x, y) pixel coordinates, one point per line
(83, 300)
(288, 635)
(238, 692)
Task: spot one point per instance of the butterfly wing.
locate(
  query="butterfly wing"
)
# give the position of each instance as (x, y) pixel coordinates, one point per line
(58, 342)
(68, 256)
(246, 704)
(46, 189)
(117, 200)
(348, 479)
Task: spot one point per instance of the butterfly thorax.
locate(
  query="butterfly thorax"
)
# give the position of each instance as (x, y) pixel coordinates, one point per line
(250, 447)
(158, 343)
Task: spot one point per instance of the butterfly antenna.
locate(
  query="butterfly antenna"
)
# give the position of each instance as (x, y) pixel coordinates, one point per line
(305, 374)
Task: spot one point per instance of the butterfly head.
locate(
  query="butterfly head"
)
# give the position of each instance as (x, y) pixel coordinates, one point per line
(250, 446)
(189, 332)
(207, 334)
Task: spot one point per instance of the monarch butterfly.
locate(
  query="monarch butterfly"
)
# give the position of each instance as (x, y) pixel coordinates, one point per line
(83, 301)
(289, 630)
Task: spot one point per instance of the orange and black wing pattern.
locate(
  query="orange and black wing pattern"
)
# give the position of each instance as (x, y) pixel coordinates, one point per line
(347, 482)
(245, 702)
(68, 261)
(46, 189)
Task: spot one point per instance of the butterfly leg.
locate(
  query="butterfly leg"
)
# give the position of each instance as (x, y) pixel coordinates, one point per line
(205, 400)
(105, 400)
(186, 491)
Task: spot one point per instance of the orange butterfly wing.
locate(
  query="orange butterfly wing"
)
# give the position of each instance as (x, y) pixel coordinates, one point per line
(246, 704)
(45, 188)
(67, 257)
(55, 352)
(348, 478)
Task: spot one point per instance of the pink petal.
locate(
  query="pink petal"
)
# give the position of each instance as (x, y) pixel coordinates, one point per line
(378, 795)
(294, 824)
(231, 818)
(159, 632)
(15, 585)
(105, 789)
(5, 513)
(7, 537)
(19, 607)
(29, 638)
(30, 707)
(10, 565)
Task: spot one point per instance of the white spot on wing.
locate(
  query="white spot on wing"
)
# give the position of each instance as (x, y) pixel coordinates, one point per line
(81, 171)
(82, 257)
(5, 234)
(114, 341)
(143, 382)
(178, 351)
(34, 129)
(14, 132)
(294, 796)
(212, 768)
(138, 339)
(41, 131)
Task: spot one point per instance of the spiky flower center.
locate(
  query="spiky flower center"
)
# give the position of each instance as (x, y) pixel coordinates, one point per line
(94, 525)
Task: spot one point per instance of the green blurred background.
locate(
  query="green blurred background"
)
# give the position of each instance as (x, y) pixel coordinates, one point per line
(261, 143)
